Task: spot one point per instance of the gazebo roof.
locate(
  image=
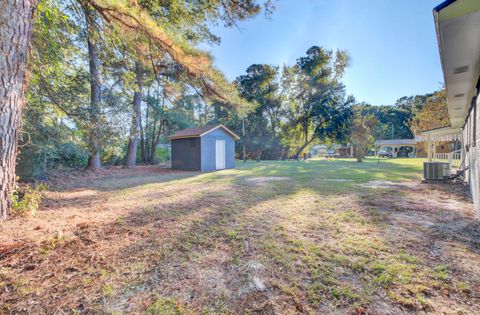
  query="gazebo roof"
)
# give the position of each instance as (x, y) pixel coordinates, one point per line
(396, 142)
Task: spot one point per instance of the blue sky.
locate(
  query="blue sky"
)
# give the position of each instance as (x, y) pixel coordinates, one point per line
(392, 43)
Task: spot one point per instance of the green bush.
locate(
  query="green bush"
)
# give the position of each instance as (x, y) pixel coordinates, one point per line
(112, 155)
(71, 155)
(35, 160)
(163, 155)
(25, 200)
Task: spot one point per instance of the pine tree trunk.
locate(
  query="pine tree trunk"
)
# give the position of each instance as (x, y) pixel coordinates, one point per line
(131, 160)
(152, 142)
(142, 141)
(16, 21)
(153, 150)
(155, 138)
(94, 162)
(146, 136)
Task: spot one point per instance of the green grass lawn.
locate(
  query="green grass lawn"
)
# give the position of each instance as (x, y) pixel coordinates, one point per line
(269, 237)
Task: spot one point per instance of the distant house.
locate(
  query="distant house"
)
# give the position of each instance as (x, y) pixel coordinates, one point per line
(319, 150)
(458, 32)
(206, 148)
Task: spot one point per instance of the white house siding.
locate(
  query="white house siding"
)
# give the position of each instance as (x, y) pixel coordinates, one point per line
(472, 159)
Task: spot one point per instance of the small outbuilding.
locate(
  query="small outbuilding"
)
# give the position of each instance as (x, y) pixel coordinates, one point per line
(206, 148)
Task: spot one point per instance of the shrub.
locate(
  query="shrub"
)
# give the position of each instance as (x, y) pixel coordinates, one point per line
(25, 200)
(36, 160)
(162, 154)
(72, 155)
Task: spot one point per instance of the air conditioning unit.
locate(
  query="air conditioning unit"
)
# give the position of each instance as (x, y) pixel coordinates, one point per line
(436, 170)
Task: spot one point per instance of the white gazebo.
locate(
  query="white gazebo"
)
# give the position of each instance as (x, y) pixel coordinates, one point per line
(396, 144)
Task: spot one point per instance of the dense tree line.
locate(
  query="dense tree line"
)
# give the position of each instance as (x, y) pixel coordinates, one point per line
(297, 106)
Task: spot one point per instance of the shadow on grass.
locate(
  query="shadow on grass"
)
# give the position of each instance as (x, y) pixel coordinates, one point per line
(164, 235)
(118, 178)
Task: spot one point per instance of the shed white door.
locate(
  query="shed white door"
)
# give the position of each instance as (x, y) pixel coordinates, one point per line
(219, 154)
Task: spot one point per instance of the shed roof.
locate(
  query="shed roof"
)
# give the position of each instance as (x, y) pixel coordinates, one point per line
(200, 131)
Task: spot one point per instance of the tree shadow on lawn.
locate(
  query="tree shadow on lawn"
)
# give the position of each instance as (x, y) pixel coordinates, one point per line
(192, 243)
(91, 201)
(86, 192)
(201, 237)
(95, 197)
(214, 246)
(117, 178)
(132, 234)
(104, 256)
(202, 258)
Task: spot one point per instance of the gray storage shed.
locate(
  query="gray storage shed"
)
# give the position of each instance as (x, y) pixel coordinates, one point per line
(206, 148)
